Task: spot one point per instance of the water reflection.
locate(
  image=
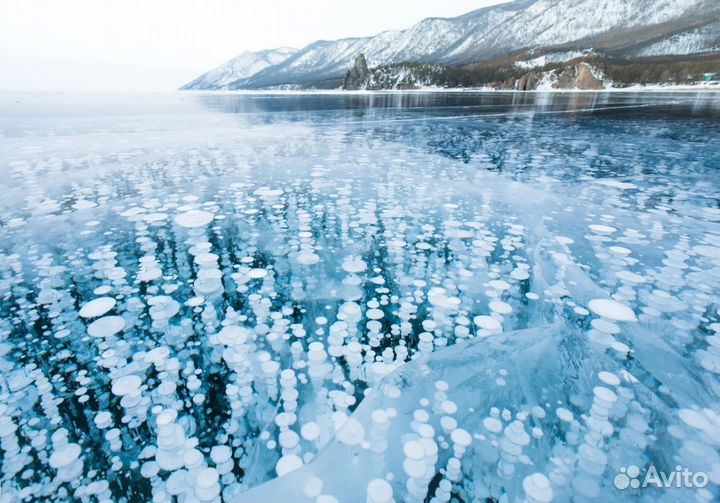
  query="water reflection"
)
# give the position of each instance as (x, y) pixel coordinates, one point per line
(419, 105)
(567, 136)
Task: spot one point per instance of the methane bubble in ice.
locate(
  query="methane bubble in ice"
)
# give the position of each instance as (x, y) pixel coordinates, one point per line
(611, 309)
(288, 463)
(194, 218)
(354, 265)
(97, 307)
(106, 326)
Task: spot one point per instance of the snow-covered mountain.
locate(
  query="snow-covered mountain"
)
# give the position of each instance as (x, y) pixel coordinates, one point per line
(497, 31)
(547, 23)
(240, 67)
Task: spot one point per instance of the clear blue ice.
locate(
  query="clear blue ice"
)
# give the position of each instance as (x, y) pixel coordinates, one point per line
(358, 297)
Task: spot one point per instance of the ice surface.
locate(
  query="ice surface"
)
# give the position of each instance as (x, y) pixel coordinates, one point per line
(358, 298)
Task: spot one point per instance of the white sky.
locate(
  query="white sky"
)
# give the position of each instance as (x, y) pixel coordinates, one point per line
(157, 45)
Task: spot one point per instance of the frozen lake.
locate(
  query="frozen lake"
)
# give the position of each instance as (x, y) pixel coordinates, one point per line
(359, 297)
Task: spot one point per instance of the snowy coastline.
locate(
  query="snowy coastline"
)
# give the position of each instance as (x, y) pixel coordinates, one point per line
(631, 89)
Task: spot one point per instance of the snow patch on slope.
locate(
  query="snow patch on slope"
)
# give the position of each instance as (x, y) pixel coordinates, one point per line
(553, 57)
(548, 81)
(703, 39)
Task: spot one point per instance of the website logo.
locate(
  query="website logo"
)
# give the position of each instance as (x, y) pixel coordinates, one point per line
(631, 478)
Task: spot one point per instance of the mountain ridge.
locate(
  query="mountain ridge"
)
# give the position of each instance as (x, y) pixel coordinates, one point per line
(488, 33)
(245, 64)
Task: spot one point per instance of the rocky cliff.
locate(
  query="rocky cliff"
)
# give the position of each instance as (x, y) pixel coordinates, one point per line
(357, 77)
(579, 76)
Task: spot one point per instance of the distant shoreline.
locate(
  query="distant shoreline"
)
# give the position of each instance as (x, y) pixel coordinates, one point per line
(632, 89)
(428, 90)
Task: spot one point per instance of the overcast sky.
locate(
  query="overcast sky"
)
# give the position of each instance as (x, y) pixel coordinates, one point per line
(157, 45)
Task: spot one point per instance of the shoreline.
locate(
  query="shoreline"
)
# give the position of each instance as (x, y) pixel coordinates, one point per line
(427, 90)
